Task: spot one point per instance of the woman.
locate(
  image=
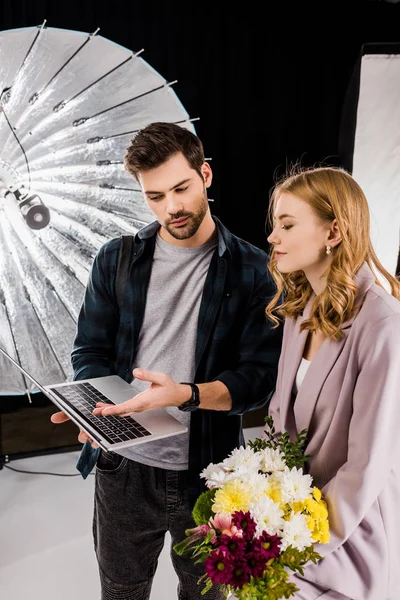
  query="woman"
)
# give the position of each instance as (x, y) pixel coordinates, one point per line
(339, 377)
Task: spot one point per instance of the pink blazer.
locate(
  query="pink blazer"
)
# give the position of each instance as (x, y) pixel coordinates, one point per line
(350, 403)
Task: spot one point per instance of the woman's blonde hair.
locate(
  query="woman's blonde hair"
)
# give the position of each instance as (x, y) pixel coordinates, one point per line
(333, 194)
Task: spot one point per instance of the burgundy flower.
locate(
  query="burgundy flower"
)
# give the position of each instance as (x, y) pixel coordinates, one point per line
(256, 562)
(267, 545)
(219, 567)
(232, 544)
(240, 574)
(245, 522)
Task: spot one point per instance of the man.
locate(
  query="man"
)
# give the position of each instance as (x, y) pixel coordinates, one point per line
(193, 312)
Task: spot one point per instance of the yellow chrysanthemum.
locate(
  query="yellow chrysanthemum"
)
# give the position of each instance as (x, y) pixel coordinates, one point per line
(232, 497)
(274, 493)
(299, 507)
(325, 537)
(317, 494)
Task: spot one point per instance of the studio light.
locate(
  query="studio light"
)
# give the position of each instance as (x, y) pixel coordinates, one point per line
(35, 213)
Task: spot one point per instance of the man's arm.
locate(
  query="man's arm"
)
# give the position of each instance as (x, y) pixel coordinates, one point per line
(245, 387)
(252, 378)
(94, 344)
(164, 391)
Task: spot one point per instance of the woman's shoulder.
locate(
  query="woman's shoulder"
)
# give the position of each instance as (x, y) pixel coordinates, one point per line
(380, 304)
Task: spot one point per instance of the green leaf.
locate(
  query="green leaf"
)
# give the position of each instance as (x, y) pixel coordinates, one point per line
(202, 510)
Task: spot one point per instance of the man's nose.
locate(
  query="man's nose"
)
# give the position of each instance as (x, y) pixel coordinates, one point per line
(174, 204)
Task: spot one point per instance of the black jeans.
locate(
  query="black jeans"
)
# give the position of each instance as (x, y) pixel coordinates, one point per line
(134, 507)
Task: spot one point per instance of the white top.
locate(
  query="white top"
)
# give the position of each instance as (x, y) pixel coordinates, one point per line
(301, 373)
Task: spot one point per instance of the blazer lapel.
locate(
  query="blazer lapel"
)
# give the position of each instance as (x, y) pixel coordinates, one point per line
(293, 355)
(299, 414)
(318, 371)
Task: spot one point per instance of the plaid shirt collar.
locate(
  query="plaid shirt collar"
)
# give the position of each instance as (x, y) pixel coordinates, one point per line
(224, 236)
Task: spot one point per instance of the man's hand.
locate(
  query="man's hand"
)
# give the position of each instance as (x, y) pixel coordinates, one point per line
(162, 392)
(60, 417)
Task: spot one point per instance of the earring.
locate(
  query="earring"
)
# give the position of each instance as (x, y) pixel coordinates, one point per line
(328, 250)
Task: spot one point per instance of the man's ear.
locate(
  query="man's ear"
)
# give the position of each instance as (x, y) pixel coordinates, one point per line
(207, 174)
(334, 236)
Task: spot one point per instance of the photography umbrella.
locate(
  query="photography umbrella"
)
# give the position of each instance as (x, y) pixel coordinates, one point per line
(70, 102)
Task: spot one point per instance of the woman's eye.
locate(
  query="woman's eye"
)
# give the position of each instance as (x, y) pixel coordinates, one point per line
(286, 226)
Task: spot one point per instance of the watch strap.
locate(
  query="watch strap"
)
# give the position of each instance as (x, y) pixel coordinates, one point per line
(194, 400)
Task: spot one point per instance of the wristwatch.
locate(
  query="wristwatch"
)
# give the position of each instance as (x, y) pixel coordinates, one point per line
(194, 401)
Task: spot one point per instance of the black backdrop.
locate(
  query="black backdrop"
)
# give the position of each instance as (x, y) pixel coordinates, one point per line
(268, 81)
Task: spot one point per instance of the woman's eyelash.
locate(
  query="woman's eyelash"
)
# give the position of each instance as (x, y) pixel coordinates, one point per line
(286, 226)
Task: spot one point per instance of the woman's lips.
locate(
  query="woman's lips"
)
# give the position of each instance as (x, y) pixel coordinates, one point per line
(279, 255)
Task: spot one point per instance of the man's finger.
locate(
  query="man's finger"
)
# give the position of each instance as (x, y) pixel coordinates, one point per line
(83, 438)
(156, 377)
(59, 417)
(123, 410)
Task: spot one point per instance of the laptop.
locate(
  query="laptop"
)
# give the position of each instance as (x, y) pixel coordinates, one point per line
(77, 399)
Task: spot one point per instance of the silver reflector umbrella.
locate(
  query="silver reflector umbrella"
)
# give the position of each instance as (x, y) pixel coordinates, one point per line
(69, 104)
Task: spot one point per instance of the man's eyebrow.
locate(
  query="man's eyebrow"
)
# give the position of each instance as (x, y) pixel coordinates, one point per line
(170, 190)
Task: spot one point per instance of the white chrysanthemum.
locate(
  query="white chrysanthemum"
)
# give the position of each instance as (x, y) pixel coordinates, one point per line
(296, 533)
(257, 482)
(242, 458)
(294, 484)
(268, 516)
(215, 475)
(272, 460)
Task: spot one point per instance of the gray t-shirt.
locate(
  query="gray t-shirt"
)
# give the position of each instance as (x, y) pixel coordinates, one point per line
(167, 339)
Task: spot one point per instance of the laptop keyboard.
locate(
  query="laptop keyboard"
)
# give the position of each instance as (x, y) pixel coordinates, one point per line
(83, 397)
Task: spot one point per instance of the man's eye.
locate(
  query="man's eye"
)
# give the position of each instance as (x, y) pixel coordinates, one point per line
(182, 189)
(155, 197)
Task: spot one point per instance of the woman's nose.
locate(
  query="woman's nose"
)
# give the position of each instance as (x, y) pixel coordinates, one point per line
(272, 238)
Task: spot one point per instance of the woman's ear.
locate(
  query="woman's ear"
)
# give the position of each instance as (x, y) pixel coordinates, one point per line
(334, 236)
(207, 174)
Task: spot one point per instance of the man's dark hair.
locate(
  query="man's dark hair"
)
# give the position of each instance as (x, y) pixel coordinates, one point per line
(157, 143)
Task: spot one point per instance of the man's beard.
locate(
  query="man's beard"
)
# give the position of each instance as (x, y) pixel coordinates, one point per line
(194, 221)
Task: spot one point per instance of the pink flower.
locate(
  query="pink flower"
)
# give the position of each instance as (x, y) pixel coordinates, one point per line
(223, 522)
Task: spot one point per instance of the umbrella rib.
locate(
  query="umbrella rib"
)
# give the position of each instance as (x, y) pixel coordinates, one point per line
(98, 80)
(21, 146)
(37, 94)
(25, 59)
(111, 186)
(15, 348)
(43, 329)
(63, 103)
(110, 137)
(106, 110)
(90, 37)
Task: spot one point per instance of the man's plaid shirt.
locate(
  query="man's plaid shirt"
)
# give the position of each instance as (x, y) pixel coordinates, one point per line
(235, 342)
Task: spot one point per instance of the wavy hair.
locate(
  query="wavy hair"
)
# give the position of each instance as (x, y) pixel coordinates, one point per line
(333, 194)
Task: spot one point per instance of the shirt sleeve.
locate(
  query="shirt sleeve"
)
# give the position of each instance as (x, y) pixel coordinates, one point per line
(94, 345)
(253, 380)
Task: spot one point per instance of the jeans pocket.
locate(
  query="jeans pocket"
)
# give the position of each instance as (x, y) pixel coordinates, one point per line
(110, 462)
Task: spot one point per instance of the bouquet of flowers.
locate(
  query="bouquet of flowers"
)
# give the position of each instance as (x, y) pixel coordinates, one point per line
(258, 519)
